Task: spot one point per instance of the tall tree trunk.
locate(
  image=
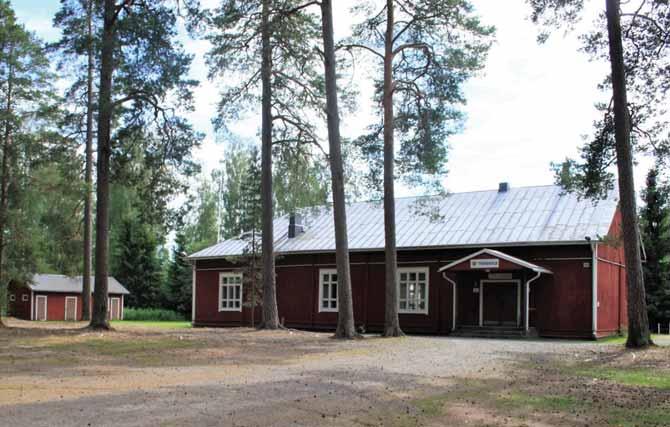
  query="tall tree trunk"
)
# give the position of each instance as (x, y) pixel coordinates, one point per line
(346, 327)
(638, 322)
(270, 313)
(4, 178)
(391, 320)
(99, 319)
(88, 203)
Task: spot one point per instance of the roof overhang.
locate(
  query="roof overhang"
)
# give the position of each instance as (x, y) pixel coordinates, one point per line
(479, 263)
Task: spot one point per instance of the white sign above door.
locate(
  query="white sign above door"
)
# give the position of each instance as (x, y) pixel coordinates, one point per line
(485, 263)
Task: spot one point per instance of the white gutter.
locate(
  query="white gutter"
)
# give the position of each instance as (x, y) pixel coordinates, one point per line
(32, 302)
(453, 301)
(594, 289)
(193, 294)
(527, 289)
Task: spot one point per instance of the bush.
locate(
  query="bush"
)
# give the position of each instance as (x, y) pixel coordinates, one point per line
(152, 314)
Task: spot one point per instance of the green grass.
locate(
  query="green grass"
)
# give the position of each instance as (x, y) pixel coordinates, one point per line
(152, 314)
(431, 406)
(621, 339)
(644, 377)
(634, 418)
(150, 324)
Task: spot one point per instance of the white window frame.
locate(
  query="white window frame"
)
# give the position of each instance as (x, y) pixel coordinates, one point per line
(12, 297)
(417, 270)
(329, 309)
(221, 286)
(25, 297)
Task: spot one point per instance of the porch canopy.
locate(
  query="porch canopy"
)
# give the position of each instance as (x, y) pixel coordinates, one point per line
(487, 260)
(490, 259)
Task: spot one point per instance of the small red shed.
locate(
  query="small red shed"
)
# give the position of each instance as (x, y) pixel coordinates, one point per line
(528, 260)
(58, 297)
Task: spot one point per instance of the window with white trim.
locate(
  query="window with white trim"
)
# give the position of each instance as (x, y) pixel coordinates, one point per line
(327, 290)
(12, 297)
(230, 292)
(24, 297)
(413, 290)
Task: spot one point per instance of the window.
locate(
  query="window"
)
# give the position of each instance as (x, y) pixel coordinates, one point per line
(24, 297)
(12, 297)
(413, 290)
(230, 292)
(327, 290)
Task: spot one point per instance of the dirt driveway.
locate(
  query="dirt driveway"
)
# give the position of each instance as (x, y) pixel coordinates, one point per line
(243, 377)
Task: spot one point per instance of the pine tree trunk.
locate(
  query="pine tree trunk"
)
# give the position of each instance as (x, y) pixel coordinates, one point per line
(638, 323)
(270, 313)
(88, 203)
(99, 318)
(391, 320)
(346, 327)
(4, 178)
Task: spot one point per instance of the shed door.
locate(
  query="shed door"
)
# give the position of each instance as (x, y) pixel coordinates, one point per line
(41, 310)
(500, 303)
(71, 308)
(115, 309)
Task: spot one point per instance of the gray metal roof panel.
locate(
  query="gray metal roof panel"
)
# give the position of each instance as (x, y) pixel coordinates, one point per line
(524, 215)
(64, 284)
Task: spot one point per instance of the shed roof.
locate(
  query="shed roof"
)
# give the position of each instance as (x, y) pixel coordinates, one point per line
(65, 284)
(518, 216)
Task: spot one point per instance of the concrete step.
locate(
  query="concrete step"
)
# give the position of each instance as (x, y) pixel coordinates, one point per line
(489, 332)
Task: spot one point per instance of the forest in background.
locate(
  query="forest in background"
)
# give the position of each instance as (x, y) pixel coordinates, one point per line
(162, 207)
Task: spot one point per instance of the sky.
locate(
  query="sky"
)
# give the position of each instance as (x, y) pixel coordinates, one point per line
(532, 104)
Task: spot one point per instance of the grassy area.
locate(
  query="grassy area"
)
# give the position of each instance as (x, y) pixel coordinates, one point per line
(148, 324)
(643, 377)
(621, 339)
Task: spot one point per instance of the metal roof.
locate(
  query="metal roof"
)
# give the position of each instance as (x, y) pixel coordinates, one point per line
(518, 216)
(65, 284)
(501, 255)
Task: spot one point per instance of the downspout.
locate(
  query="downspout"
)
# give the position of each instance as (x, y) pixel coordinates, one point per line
(193, 293)
(526, 324)
(32, 302)
(594, 289)
(453, 301)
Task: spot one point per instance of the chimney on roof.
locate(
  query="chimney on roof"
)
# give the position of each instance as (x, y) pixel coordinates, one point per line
(295, 226)
(503, 187)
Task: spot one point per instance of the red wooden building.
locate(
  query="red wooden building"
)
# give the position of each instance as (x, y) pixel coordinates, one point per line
(58, 297)
(511, 261)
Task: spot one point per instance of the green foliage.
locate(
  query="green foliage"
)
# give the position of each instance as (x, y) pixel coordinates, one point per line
(27, 122)
(138, 265)
(152, 315)
(178, 285)
(201, 228)
(655, 228)
(645, 30)
(437, 46)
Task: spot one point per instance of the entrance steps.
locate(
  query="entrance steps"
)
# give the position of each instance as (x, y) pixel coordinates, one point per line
(509, 332)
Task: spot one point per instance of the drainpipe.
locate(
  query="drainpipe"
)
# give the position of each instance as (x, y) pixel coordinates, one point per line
(526, 322)
(594, 289)
(193, 294)
(453, 301)
(32, 302)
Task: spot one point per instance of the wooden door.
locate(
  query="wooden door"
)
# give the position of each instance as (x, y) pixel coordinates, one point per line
(41, 309)
(115, 309)
(70, 308)
(500, 301)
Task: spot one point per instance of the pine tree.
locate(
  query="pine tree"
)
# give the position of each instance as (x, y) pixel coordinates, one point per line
(25, 95)
(179, 278)
(139, 269)
(655, 226)
(427, 49)
(270, 44)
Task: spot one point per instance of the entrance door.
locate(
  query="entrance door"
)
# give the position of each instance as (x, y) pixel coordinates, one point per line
(115, 309)
(500, 303)
(41, 309)
(71, 308)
